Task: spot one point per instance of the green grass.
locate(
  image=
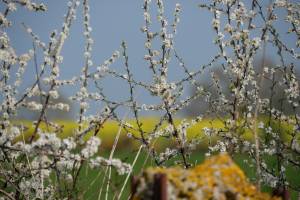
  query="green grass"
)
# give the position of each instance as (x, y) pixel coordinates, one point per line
(96, 176)
(91, 180)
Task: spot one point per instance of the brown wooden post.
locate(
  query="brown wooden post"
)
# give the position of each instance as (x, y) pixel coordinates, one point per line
(160, 187)
(282, 192)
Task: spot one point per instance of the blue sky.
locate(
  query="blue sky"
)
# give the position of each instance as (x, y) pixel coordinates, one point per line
(113, 21)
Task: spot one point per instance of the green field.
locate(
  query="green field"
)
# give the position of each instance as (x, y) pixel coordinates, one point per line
(91, 180)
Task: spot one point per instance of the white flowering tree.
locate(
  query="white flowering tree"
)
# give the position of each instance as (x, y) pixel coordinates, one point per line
(43, 165)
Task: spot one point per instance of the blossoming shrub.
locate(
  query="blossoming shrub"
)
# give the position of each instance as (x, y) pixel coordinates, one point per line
(40, 164)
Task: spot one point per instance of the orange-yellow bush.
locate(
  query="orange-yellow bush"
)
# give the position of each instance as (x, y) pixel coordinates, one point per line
(217, 178)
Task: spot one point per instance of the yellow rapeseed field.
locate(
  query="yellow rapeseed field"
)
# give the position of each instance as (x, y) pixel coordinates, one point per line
(110, 129)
